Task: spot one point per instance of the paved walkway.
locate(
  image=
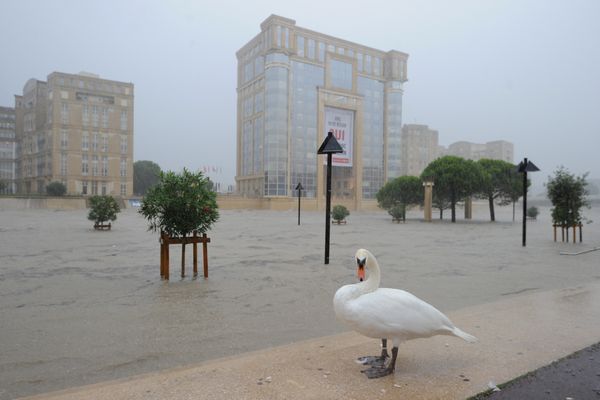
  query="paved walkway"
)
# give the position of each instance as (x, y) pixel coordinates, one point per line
(516, 335)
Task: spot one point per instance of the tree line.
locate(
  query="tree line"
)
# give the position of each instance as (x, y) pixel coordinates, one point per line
(455, 179)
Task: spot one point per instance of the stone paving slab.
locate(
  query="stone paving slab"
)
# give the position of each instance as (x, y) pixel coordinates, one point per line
(516, 335)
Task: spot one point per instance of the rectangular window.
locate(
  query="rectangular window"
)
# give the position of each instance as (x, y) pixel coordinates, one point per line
(95, 141)
(84, 187)
(94, 187)
(300, 46)
(64, 113)
(94, 165)
(123, 189)
(105, 117)
(321, 51)
(84, 164)
(311, 49)
(85, 141)
(64, 139)
(103, 188)
(104, 143)
(63, 164)
(124, 120)
(104, 166)
(85, 115)
(341, 74)
(95, 116)
(123, 144)
(123, 167)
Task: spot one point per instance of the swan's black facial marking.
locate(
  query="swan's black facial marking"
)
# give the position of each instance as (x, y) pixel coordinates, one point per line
(361, 267)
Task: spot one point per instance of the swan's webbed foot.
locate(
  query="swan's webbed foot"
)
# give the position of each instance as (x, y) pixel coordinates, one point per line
(381, 370)
(378, 371)
(374, 361)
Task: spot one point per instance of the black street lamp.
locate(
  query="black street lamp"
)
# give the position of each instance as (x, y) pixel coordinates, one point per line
(524, 167)
(329, 146)
(299, 189)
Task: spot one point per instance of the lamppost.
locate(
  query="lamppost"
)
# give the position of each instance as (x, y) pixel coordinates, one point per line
(329, 146)
(524, 167)
(299, 189)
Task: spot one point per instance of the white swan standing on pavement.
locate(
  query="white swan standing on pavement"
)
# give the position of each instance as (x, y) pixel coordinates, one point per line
(387, 314)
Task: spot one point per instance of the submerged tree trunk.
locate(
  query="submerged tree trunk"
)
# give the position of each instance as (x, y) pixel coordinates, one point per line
(183, 257)
(514, 210)
(492, 213)
(453, 205)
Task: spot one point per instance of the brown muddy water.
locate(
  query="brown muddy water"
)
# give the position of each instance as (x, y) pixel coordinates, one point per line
(78, 306)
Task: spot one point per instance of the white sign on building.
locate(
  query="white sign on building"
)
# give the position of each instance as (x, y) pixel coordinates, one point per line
(341, 123)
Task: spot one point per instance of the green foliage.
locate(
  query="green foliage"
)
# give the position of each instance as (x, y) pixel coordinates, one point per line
(398, 212)
(533, 212)
(402, 191)
(567, 193)
(103, 208)
(145, 175)
(339, 212)
(3, 185)
(180, 204)
(499, 180)
(454, 180)
(56, 189)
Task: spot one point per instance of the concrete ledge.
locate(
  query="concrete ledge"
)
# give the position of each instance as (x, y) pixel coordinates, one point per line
(516, 335)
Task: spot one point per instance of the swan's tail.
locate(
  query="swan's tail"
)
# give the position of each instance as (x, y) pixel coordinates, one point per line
(463, 335)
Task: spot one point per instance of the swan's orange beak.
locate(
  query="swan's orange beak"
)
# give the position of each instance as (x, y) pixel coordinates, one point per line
(361, 273)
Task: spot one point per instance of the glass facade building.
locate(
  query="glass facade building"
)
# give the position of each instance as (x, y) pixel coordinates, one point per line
(294, 86)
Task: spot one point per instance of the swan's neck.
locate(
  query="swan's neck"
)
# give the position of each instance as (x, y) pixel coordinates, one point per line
(372, 282)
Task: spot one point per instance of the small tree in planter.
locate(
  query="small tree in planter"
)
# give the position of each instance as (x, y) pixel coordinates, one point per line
(178, 206)
(339, 214)
(102, 209)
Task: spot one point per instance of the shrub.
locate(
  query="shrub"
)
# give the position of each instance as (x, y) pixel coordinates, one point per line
(398, 213)
(532, 212)
(103, 208)
(339, 212)
(56, 189)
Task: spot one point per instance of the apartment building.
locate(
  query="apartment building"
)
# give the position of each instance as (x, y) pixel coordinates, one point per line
(8, 151)
(76, 129)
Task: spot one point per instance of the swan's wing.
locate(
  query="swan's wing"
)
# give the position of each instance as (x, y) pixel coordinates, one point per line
(396, 313)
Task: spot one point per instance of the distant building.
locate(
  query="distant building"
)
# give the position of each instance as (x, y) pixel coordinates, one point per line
(8, 151)
(495, 150)
(418, 147)
(294, 85)
(76, 129)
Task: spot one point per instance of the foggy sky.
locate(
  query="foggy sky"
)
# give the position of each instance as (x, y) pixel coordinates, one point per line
(523, 71)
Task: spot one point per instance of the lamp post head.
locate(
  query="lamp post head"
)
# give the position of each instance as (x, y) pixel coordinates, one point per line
(299, 186)
(330, 145)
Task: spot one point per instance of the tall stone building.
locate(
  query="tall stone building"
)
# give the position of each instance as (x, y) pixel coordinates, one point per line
(76, 129)
(495, 150)
(419, 146)
(8, 150)
(294, 86)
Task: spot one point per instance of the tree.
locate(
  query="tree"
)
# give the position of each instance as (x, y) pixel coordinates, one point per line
(400, 193)
(3, 186)
(496, 183)
(102, 209)
(145, 175)
(56, 189)
(567, 193)
(180, 204)
(454, 179)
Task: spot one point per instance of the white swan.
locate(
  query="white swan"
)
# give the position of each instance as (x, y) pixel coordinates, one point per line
(387, 314)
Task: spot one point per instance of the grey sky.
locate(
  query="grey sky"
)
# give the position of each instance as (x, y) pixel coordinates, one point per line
(523, 71)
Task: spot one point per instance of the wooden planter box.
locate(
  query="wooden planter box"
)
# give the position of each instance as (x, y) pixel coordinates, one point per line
(101, 227)
(166, 240)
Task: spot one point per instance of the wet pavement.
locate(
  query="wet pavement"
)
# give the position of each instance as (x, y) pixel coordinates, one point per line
(576, 377)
